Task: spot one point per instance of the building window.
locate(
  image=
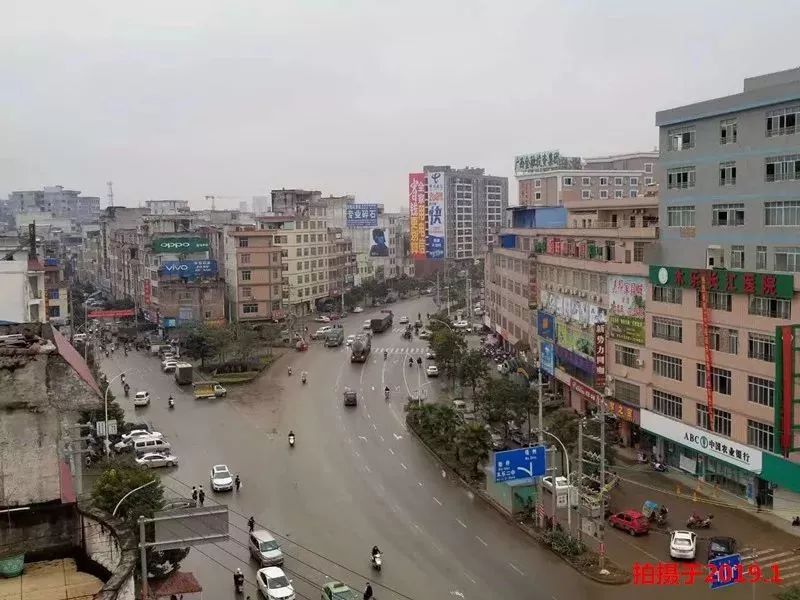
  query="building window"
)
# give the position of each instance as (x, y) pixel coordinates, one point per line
(586, 180)
(586, 194)
(633, 181)
(638, 251)
(248, 309)
(54, 311)
(567, 181)
(782, 121)
(761, 347)
(538, 196)
(244, 242)
(668, 404)
(668, 329)
(775, 308)
(626, 356)
(632, 193)
(627, 392)
(761, 258)
(668, 366)
(737, 257)
(617, 180)
(247, 292)
(760, 435)
(720, 339)
(680, 216)
(53, 294)
(648, 181)
(782, 214)
(603, 194)
(722, 419)
(720, 379)
(761, 391)
(716, 300)
(537, 183)
(727, 173)
(648, 167)
(246, 275)
(787, 259)
(681, 178)
(680, 139)
(617, 193)
(667, 294)
(245, 258)
(782, 168)
(727, 131)
(604, 181)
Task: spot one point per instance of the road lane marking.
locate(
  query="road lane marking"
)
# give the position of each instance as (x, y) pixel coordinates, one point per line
(419, 483)
(437, 547)
(391, 451)
(439, 502)
(397, 437)
(367, 469)
(477, 537)
(513, 566)
(369, 416)
(356, 454)
(375, 427)
(405, 467)
(468, 577)
(460, 522)
(361, 437)
(624, 538)
(381, 437)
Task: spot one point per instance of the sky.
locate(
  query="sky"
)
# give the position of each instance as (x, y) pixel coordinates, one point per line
(179, 100)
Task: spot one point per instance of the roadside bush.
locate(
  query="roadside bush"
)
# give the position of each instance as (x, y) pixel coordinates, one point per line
(563, 544)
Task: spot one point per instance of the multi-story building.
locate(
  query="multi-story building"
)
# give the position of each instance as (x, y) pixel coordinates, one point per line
(167, 207)
(112, 219)
(57, 304)
(23, 283)
(56, 201)
(723, 277)
(261, 205)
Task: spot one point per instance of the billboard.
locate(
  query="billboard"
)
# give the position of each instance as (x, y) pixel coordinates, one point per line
(626, 308)
(545, 325)
(600, 356)
(187, 245)
(379, 243)
(548, 361)
(575, 339)
(436, 213)
(361, 215)
(541, 162)
(416, 212)
(111, 314)
(573, 309)
(189, 268)
(773, 285)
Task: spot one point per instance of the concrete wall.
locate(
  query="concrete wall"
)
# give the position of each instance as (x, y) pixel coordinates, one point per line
(44, 532)
(109, 543)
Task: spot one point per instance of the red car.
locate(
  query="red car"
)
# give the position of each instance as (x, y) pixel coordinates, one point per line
(631, 521)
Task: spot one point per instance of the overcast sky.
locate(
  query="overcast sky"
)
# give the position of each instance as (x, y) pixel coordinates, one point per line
(174, 99)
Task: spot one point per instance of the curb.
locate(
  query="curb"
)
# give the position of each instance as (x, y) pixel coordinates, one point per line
(510, 518)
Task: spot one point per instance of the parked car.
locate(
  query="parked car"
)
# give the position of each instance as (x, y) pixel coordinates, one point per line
(156, 459)
(631, 521)
(265, 548)
(221, 478)
(683, 544)
(141, 399)
(126, 443)
(403, 320)
(168, 366)
(350, 339)
(561, 483)
(463, 325)
(367, 325)
(430, 355)
(274, 585)
(432, 371)
(424, 334)
(721, 546)
(321, 332)
(323, 319)
(358, 309)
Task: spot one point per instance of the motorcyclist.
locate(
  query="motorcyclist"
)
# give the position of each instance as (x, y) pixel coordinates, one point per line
(304, 376)
(238, 579)
(126, 388)
(291, 436)
(385, 354)
(386, 392)
(410, 362)
(375, 551)
(171, 401)
(290, 370)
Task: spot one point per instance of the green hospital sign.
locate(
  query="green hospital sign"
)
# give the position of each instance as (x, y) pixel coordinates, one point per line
(181, 245)
(770, 285)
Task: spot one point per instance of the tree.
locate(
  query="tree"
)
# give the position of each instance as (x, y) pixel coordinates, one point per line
(790, 593)
(436, 423)
(564, 425)
(473, 443)
(473, 370)
(501, 402)
(201, 343)
(449, 347)
(243, 342)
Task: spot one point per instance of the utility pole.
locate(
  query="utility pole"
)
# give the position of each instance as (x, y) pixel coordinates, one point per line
(540, 488)
(579, 478)
(600, 529)
(552, 470)
(143, 556)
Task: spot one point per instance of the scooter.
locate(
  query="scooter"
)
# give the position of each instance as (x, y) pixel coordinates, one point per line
(291, 441)
(238, 582)
(303, 378)
(697, 522)
(377, 561)
(171, 403)
(290, 371)
(658, 466)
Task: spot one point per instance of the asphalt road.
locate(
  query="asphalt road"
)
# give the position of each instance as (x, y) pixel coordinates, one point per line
(354, 479)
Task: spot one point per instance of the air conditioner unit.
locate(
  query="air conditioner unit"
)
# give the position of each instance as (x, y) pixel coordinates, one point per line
(715, 257)
(639, 362)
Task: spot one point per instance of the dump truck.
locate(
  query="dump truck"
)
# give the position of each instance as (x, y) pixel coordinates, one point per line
(360, 349)
(208, 389)
(335, 337)
(381, 324)
(183, 373)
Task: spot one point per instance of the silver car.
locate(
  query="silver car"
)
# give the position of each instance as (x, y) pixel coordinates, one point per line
(156, 459)
(221, 478)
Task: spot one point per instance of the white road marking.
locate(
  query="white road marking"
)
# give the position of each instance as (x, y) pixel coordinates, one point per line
(460, 522)
(468, 577)
(357, 455)
(391, 451)
(477, 537)
(361, 437)
(375, 427)
(444, 474)
(367, 469)
(513, 566)
(405, 467)
(397, 437)
(439, 502)
(419, 483)
(381, 437)
(437, 547)
(457, 593)
(369, 416)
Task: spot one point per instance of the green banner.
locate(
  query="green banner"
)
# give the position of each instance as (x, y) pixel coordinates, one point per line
(626, 329)
(770, 285)
(181, 245)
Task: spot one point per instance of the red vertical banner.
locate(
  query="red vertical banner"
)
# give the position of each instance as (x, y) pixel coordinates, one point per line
(148, 293)
(600, 356)
(787, 376)
(416, 212)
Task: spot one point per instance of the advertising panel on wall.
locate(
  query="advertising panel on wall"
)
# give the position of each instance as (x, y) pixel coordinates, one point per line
(626, 308)
(600, 356)
(380, 244)
(416, 212)
(574, 309)
(189, 268)
(575, 339)
(547, 354)
(436, 224)
(545, 325)
(773, 285)
(148, 292)
(187, 245)
(361, 215)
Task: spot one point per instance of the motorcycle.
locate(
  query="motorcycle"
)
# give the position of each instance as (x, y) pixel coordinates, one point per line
(127, 390)
(386, 393)
(291, 441)
(698, 522)
(377, 561)
(658, 466)
(238, 582)
(303, 378)
(290, 371)
(385, 355)
(171, 403)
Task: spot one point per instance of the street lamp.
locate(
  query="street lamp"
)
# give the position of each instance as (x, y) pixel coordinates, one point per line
(566, 464)
(116, 508)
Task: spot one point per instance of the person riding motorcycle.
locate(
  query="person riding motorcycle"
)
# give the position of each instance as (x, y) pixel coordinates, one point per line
(171, 401)
(375, 551)
(238, 579)
(386, 392)
(291, 436)
(410, 362)
(290, 370)
(126, 388)
(304, 376)
(385, 354)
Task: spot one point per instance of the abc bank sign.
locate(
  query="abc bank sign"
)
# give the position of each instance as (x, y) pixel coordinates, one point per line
(179, 245)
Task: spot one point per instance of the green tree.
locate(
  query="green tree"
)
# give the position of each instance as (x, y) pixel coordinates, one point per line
(790, 593)
(449, 347)
(473, 370)
(436, 424)
(243, 341)
(473, 443)
(201, 343)
(564, 425)
(501, 402)
(270, 333)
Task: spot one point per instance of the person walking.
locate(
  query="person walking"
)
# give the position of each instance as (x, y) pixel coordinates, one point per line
(201, 495)
(758, 502)
(368, 592)
(194, 493)
(251, 524)
(237, 482)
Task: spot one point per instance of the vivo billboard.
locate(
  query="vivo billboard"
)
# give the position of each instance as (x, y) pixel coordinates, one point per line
(187, 245)
(436, 213)
(189, 268)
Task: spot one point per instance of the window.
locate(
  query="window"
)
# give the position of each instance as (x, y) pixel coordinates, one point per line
(586, 180)
(667, 404)
(627, 392)
(760, 435)
(626, 356)
(246, 275)
(648, 167)
(633, 181)
(782, 168)
(681, 139)
(667, 294)
(680, 216)
(54, 311)
(53, 294)
(247, 292)
(632, 193)
(727, 173)
(245, 258)
(782, 121)
(761, 258)
(617, 180)
(775, 308)
(720, 379)
(720, 339)
(667, 329)
(716, 300)
(586, 194)
(737, 257)
(298, 239)
(249, 308)
(567, 181)
(782, 214)
(604, 181)
(648, 181)
(668, 366)
(722, 419)
(761, 391)
(761, 347)
(617, 193)
(681, 178)
(603, 194)
(787, 259)
(299, 251)
(244, 242)
(537, 183)
(727, 131)
(538, 195)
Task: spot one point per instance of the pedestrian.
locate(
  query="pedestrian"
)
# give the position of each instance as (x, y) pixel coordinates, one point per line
(368, 592)
(251, 524)
(237, 482)
(758, 502)
(194, 493)
(201, 495)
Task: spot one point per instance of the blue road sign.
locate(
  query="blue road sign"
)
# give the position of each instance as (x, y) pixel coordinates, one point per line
(722, 579)
(522, 463)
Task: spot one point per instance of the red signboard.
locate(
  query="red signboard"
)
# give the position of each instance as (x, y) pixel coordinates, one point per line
(585, 390)
(111, 314)
(622, 411)
(148, 292)
(600, 355)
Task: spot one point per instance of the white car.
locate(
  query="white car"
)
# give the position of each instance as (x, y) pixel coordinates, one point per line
(323, 319)
(430, 355)
(461, 325)
(432, 371)
(562, 485)
(403, 320)
(367, 324)
(156, 459)
(358, 309)
(168, 366)
(135, 434)
(274, 585)
(478, 312)
(350, 339)
(425, 334)
(683, 544)
(221, 478)
(141, 399)
(320, 333)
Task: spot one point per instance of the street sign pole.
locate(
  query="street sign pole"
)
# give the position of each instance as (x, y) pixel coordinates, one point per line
(540, 489)
(552, 470)
(601, 528)
(579, 478)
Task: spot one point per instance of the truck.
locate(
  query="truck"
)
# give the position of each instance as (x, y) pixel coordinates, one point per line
(335, 337)
(208, 389)
(381, 324)
(183, 373)
(360, 349)
(336, 590)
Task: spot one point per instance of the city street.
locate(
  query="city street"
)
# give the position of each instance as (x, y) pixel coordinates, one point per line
(355, 479)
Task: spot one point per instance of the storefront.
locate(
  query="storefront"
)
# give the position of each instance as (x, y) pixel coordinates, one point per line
(627, 419)
(714, 459)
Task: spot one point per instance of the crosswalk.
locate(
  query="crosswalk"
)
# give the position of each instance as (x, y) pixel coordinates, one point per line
(788, 562)
(398, 350)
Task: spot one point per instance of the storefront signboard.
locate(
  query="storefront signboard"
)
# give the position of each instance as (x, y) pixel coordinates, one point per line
(576, 310)
(585, 390)
(600, 356)
(545, 325)
(575, 339)
(548, 357)
(180, 245)
(703, 441)
(622, 411)
(770, 285)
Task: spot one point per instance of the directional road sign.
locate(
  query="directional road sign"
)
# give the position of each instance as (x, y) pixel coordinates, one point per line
(727, 570)
(522, 463)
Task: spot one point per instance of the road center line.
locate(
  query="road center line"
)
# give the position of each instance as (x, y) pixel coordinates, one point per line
(477, 537)
(405, 467)
(391, 451)
(439, 502)
(513, 566)
(460, 522)
(468, 577)
(381, 437)
(375, 427)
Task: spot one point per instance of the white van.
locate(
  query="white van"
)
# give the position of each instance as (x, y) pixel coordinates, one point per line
(143, 445)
